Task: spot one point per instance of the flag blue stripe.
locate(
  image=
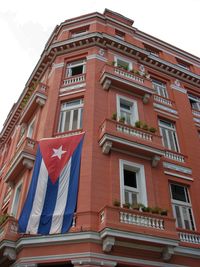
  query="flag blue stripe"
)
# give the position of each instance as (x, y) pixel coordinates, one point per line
(24, 218)
(48, 208)
(73, 189)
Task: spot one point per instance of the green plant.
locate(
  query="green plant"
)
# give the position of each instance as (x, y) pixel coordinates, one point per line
(137, 206)
(138, 124)
(145, 127)
(146, 209)
(126, 205)
(163, 212)
(114, 63)
(152, 129)
(155, 210)
(114, 116)
(116, 203)
(122, 119)
(3, 218)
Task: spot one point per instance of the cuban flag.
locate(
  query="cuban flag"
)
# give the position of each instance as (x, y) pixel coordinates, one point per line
(51, 200)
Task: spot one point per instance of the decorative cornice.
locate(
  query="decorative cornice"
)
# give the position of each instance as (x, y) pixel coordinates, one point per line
(178, 168)
(170, 110)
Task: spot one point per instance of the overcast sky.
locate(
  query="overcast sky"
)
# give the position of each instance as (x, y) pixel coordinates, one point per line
(25, 27)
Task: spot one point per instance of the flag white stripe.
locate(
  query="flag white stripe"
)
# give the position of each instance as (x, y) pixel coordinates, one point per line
(58, 215)
(38, 202)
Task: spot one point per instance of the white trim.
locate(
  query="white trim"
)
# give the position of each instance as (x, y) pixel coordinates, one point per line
(177, 167)
(179, 176)
(170, 110)
(96, 56)
(58, 65)
(178, 88)
(168, 114)
(104, 257)
(72, 87)
(72, 93)
(140, 178)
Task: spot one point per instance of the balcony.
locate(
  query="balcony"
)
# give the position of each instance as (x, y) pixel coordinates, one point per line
(118, 136)
(24, 157)
(126, 80)
(32, 101)
(189, 237)
(129, 225)
(9, 229)
(73, 82)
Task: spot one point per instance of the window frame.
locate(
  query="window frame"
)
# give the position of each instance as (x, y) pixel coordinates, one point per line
(183, 204)
(79, 107)
(175, 136)
(15, 206)
(196, 100)
(161, 89)
(134, 110)
(130, 64)
(140, 179)
(76, 63)
(30, 128)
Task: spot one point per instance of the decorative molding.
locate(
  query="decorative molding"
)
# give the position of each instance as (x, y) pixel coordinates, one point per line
(96, 56)
(28, 163)
(9, 253)
(179, 176)
(167, 253)
(108, 243)
(178, 168)
(106, 84)
(146, 98)
(91, 261)
(72, 87)
(58, 65)
(168, 114)
(178, 88)
(73, 92)
(106, 147)
(170, 110)
(155, 161)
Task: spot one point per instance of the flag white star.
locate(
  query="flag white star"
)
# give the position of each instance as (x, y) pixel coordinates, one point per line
(58, 152)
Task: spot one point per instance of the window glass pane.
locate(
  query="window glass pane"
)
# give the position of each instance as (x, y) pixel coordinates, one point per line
(178, 217)
(178, 192)
(16, 200)
(75, 120)
(67, 120)
(122, 63)
(130, 178)
(77, 70)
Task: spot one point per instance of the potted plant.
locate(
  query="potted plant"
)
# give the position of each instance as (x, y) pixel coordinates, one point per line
(116, 203)
(138, 124)
(122, 119)
(146, 209)
(155, 210)
(137, 206)
(126, 205)
(164, 212)
(114, 116)
(152, 129)
(145, 127)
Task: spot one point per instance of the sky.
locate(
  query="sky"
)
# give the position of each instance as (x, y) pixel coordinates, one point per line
(25, 27)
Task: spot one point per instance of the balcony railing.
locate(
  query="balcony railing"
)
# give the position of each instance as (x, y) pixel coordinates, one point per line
(23, 158)
(175, 156)
(192, 238)
(125, 80)
(74, 80)
(137, 221)
(163, 100)
(114, 134)
(9, 229)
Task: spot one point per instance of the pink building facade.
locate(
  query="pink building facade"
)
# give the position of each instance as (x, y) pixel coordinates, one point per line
(137, 99)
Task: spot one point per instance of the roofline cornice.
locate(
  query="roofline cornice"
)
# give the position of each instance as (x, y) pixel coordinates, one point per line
(85, 41)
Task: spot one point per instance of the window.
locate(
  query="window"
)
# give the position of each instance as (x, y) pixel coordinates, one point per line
(75, 68)
(30, 128)
(194, 102)
(122, 63)
(132, 183)
(182, 209)
(127, 110)
(160, 88)
(79, 31)
(16, 199)
(119, 34)
(71, 115)
(183, 64)
(168, 133)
